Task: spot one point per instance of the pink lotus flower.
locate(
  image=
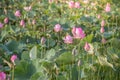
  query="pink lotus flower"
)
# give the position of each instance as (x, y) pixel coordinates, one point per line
(22, 23)
(87, 46)
(71, 4)
(1, 25)
(33, 21)
(6, 20)
(57, 28)
(102, 30)
(2, 76)
(78, 33)
(107, 8)
(102, 23)
(77, 5)
(43, 40)
(27, 8)
(13, 58)
(17, 13)
(68, 39)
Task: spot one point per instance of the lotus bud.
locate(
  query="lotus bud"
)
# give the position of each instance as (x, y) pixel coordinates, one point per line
(22, 23)
(74, 51)
(6, 20)
(102, 30)
(43, 40)
(87, 46)
(107, 8)
(102, 23)
(79, 62)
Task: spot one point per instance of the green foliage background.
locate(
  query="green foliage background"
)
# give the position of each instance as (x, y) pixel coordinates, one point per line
(54, 59)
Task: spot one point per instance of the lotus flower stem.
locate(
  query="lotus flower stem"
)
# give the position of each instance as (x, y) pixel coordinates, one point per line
(69, 73)
(98, 73)
(79, 78)
(113, 17)
(13, 72)
(116, 21)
